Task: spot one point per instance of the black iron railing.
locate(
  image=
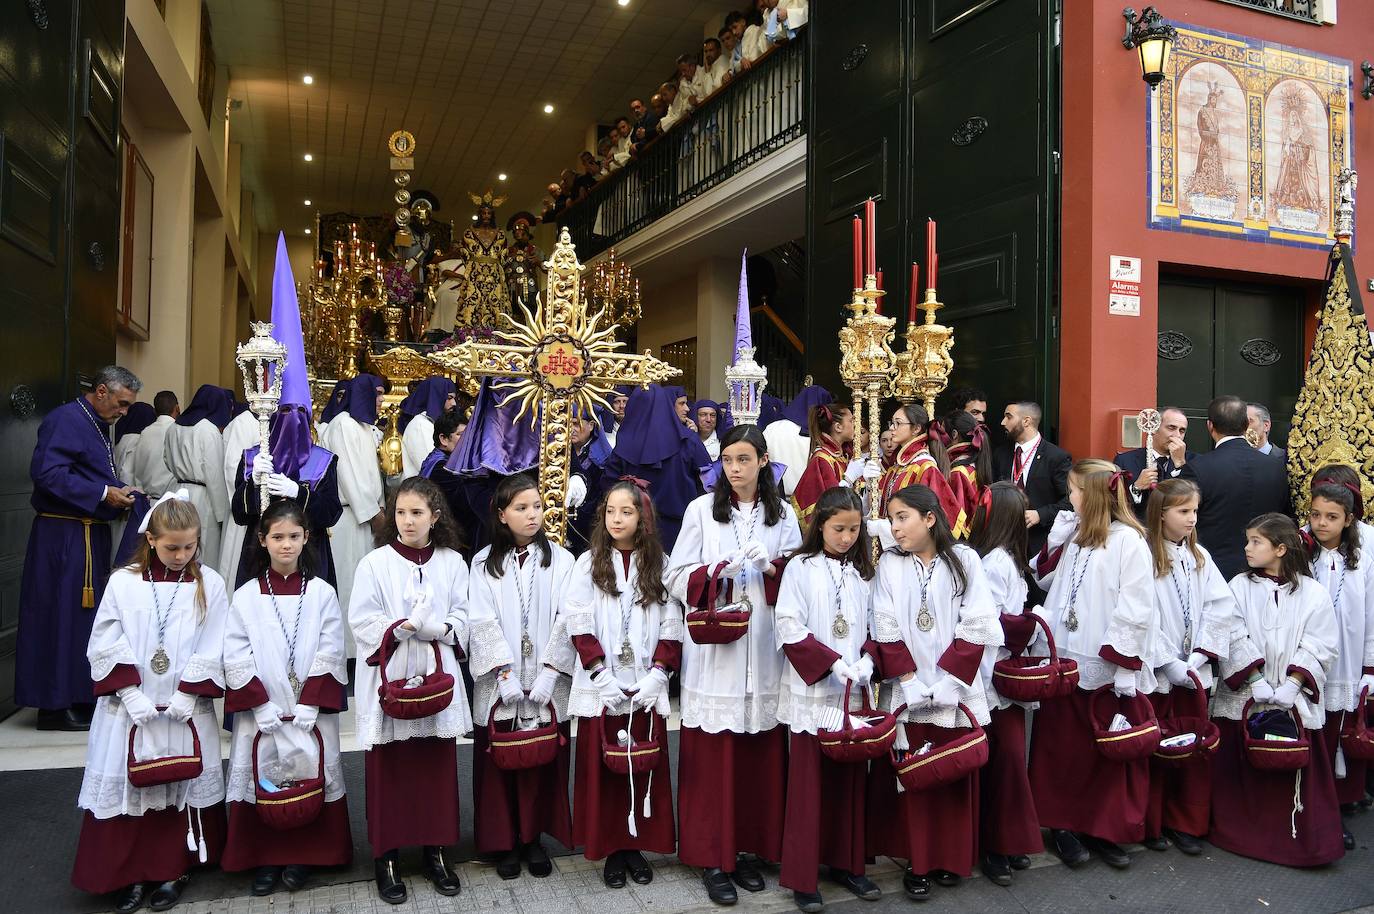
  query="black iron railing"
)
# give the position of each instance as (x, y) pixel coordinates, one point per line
(756, 113)
(1302, 10)
(779, 350)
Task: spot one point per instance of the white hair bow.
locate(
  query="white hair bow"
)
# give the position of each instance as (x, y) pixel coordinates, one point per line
(178, 495)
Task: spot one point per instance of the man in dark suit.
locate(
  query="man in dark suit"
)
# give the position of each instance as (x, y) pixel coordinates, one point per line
(1039, 468)
(1238, 484)
(1260, 423)
(1170, 457)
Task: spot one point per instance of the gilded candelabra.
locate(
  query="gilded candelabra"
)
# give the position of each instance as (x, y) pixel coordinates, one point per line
(922, 371)
(335, 304)
(612, 289)
(867, 361)
(262, 360)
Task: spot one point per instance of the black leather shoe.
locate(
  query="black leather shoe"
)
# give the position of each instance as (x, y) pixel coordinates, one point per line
(538, 859)
(294, 876)
(390, 888)
(809, 902)
(996, 868)
(1111, 853)
(860, 885)
(613, 873)
(1189, 844)
(436, 869)
(265, 880)
(65, 719)
(719, 888)
(1348, 838)
(130, 898)
(1019, 861)
(166, 896)
(917, 888)
(945, 878)
(1068, 848)
(640, 871)
(747, 875)
(508, 867)
(1156, 842)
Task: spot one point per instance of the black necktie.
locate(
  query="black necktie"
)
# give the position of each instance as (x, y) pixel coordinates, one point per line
(1162, 466)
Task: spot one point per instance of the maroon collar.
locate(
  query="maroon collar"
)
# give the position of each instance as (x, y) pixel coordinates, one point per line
(1267, 576)
(411, 554)
(290, 586)
(625, 556)
(162, 574)
(842, 559)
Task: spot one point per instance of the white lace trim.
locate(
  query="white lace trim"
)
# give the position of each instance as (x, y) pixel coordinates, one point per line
(103, 663)
(559, 653)
(580, 624)
(326, 665)
(586, 702)
(486, 702)
(201, 668)
(885, 628)
(1340, 696)
(671, 627)
(382, 729)
(982, 630)
(239, 788)
(716, 714)
(1229, 705)
(803, 713)
(109, 796)
(487, 648)
(890, 696)
(238, 675)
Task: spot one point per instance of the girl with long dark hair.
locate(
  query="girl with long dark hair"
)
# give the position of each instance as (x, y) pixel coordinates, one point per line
(831, 463)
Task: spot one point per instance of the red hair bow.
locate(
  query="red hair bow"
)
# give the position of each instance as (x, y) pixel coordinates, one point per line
(646, 505)
(936, 430)
(985, 502)
(1114, 481)
(979, 436)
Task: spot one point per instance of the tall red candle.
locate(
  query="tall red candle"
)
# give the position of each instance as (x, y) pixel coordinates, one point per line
(930, 249)
(931, 268)
(871, 224)
(915, 284)
(880, 278)
(858, 253)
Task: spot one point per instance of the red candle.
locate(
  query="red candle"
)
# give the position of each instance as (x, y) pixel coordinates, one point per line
(858, 253)
(880, 279)
(871, 224)
(915, 280)
(930, 248)
(933, 266)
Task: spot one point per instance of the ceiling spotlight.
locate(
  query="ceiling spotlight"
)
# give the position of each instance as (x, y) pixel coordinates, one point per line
(309, 157)
(307, 231)
(548, 109)
(307, 202)
(474, 217)
(501, 176)
(308, 79)
(623, 2)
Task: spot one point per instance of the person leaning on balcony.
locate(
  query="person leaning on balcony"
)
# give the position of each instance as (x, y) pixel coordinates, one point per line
(694, 83)
(621, 153)
(753, 39)
(782, 18)
(677, 106)
(714, 62)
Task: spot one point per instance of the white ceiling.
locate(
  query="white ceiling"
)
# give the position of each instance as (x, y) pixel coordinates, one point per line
(468, 77)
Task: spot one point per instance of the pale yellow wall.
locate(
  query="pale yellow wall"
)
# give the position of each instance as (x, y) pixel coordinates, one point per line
(300, 250)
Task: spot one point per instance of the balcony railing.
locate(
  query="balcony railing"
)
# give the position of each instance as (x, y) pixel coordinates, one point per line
(759, 111)
(1301, 10)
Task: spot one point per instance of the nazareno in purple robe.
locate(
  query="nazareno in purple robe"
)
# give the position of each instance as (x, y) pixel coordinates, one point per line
(67, 558)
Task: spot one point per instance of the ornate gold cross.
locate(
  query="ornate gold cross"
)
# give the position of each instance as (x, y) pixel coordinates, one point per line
(553, 364)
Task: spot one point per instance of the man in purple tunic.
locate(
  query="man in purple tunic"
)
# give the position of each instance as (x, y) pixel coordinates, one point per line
(76, 493)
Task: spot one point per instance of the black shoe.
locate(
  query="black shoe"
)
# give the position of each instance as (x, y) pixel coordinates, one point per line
(1348, 838)
(1156, 842)
(265, 880)
(747, 875)
(613, 873)
(859, 884)
(944, 877)
(809, 902)
(130, 898)
(640, 871)
(436, 869)
(390, 888)
(997, 868)
(508, 867)
(538, 859)
(1068, 848)
(1019, 861)
(66, 719)
(166, 896)
(917, 888)
(719, 888)
(1189, 844)
(1349, 809)
(1111, 853)
(294, 876)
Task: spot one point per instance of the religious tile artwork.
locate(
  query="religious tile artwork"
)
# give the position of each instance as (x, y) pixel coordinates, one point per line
(1246, 139)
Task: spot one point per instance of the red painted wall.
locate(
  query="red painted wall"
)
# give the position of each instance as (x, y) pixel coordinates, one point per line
(1107, 362)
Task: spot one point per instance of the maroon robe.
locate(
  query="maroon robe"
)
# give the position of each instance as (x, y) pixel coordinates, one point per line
(825, 815)
(732, 789)
(511, 808)
(602, 799)
(1008, 822)
(1180, 797)
(1351, 788)
(412, 793)
(119, 851)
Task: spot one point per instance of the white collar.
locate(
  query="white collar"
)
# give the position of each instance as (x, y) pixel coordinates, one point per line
(1026, 446)
(1227, 438)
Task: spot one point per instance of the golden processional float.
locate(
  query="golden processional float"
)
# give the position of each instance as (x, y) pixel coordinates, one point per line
(1333, 421)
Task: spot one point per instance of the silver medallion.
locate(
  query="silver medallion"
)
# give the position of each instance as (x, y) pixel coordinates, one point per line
(526, 645)
(295, 684)
(840, 627)
(627, 653)
(1071, 620)
(924, 620)
(160, 663)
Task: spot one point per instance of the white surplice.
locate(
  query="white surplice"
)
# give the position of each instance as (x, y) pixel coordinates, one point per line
(417, 443)
(1008, 588)
(788, 446)
(195, 456)
(1213, 620)
(1352, 593)
(731, 687)
(124, 457)
(1288, 629)
(495, 610)
(126, 632)
(362, 493)
(239, 435)
(610, 619)
(969, 615)
(387, 588)
(150, 470)
(255, 646)
(712, 444)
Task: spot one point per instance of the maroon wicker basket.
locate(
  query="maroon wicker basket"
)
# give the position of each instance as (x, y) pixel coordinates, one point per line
(428, 698)
(518, 750)
(1198, 723)
(1023, 679)
(714, 625)
(640, 756)
(1276, 755)
(291, 807)
(958, 755)
(1137, 742)
(155, 772)
(859, 744)
(1357, 739)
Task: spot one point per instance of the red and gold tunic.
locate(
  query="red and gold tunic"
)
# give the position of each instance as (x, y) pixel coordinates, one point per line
(824, 470)
(964, 482)
(914, 465)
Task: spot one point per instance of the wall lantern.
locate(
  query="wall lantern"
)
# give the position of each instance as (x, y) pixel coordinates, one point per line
(1153, 38)
(1367, 69)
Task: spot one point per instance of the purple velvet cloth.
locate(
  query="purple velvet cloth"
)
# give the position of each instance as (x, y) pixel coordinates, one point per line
(140, 416)
(771, 412)
(288, 438)
(428, 397)
(799, 410)
(210, 402)
(286, 329)
(494, 442)
(335, 404)
(360, 398)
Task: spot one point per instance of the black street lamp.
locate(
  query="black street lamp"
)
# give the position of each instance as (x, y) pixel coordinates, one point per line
(1153, 38)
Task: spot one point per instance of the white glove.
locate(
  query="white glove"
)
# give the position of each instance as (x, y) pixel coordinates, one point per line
(612, 694)
(139, 706)
(1064, 527)
(1262, 692)
(280, 486)
(734, 564)
(854, 472)
(1287, 693)
(510, 690)
(181, 707)
(427, 630)
(862, 670)
(303, 717)
(945, 693)
(1196, 661)
(1176, 671)
(651, 685)
(262, 467)
(873, 471)
(1123, 683)
(880, 529)
(756, 556)
(577, 492)
(1366, 682)
(843, 672)
(541, 693)
(268, 717)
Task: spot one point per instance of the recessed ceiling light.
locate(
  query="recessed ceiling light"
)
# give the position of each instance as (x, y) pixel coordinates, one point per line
(308, 79)
(309, 157)
(501, 176)
(307, 231)
(548, 109)
(623, 2)
(474, 217)
(307, 202)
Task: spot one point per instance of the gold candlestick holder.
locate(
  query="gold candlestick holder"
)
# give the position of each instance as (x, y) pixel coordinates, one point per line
(922, 371)
(867, 362)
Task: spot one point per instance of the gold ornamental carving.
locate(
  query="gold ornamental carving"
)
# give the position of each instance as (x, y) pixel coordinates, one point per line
(401, 144)
(923, 369)
(867, 361)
